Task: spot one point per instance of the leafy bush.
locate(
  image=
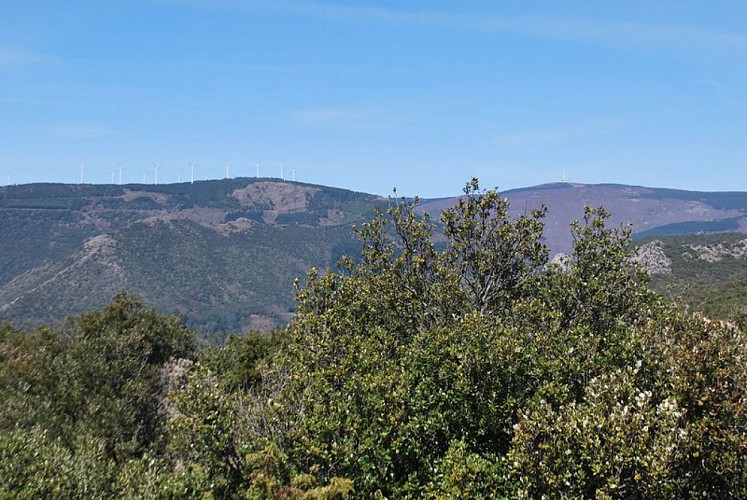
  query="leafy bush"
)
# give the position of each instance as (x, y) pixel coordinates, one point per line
(465, 368)
(85, 398)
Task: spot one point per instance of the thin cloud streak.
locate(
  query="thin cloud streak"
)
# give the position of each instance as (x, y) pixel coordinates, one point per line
(11, 57)
(554, 136)
(79, 131)
(362, 118)
(614, 33)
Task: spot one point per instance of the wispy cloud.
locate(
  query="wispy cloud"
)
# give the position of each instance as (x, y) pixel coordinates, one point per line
(79, 131)
(626, 34)
(554, 136)
(362, 118)
(11, 57)
(607, 32)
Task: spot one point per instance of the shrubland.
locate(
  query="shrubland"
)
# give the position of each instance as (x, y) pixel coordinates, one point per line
(461, 365)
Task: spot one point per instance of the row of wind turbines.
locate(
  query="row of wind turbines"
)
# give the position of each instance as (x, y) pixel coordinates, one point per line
(117, 175)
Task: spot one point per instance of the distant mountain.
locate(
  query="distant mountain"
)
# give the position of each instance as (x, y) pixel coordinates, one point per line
(225, 253)
(651, 211)
(709, 271)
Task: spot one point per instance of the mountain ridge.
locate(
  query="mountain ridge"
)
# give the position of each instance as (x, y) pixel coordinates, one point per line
(225, 253)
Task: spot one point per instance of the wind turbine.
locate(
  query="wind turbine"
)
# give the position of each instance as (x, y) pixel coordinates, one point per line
(192, 173)
(121, 168)
(293, 172)
(228, 170)
(155, 167)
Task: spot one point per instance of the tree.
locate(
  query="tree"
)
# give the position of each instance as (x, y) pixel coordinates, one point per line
(450, 360)
(84, 399)
(420, 346)
(474, 365)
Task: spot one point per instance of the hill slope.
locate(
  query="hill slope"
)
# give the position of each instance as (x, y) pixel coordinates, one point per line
(708, 271)
(225, 253)
(651, 211)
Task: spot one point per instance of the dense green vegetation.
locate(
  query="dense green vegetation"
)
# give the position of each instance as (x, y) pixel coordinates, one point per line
(224, 254)
(718, 286)
(466, 369)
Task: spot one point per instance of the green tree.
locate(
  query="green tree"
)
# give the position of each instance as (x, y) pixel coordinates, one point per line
(420, 346)
(451, 360)
(467, 364)
(86, 398)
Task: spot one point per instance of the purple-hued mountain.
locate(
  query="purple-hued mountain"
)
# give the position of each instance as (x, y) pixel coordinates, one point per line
(651, 211)
(225, 253)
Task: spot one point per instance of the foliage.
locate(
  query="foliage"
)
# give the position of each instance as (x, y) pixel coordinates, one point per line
(477, 367)
(33, 464)
(619, 440)
(86, 397)
(451, 364)
(704, 366)
(415, 348)
(238, 362)
(708, 273)
(224, 261)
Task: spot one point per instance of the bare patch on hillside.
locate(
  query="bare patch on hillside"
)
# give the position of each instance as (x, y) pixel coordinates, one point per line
(275, 198)
(207, 217)
(333, 218)
(652, 258)
(94, 266)
(130, 195)
(715, 253)
(240, 225)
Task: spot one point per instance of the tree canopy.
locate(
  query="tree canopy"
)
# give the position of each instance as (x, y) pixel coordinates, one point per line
(451, 359)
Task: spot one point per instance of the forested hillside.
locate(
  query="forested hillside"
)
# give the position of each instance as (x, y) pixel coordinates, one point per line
(457, 364)
(225, 253)
(706, 272)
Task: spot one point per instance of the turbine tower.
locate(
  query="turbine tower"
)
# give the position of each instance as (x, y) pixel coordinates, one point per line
(121, 168)
(192, 173)
(228, 170)
(155, 167)
(293, 173)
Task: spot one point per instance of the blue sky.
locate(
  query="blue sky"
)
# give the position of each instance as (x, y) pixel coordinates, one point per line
(417, 95)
